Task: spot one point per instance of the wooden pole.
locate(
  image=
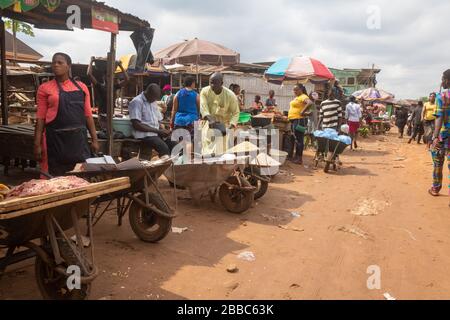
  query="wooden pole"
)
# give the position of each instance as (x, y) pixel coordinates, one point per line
(14, 23)
(4, 73)
(110, 92)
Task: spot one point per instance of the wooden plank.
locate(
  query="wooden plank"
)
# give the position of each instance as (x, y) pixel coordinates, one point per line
(42, 208)
(31, 202)
(23, 203)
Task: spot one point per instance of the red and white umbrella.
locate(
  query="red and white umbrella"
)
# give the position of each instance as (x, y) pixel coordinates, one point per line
(298, 69)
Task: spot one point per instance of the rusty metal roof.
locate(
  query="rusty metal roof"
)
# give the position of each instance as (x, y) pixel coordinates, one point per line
(41, 18)
(24, 51)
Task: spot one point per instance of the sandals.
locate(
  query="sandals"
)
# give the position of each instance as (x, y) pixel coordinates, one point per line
(433, 193)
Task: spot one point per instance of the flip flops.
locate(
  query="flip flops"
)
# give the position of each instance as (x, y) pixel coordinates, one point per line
(433, 193)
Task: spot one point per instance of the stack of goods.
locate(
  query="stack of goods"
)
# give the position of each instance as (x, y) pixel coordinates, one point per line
(43, 187)
(333, 135)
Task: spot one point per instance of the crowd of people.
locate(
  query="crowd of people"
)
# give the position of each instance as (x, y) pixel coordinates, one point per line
(429, 123)
(64, 117)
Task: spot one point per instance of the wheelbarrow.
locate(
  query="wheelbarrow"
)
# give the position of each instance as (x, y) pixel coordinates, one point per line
(328, 152)
(150, 215)
(47, 218)
(214, 176)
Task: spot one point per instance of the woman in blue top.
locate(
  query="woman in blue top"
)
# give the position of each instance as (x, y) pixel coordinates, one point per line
(186, 107)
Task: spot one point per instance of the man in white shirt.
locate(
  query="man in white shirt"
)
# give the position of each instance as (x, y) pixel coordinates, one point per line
(146, 117)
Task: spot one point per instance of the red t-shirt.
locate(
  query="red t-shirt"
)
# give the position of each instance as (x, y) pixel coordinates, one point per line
(48, 99)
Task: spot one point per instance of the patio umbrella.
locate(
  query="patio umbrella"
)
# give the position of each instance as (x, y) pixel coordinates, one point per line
(298, 69)
(198, 52)
(373, 94)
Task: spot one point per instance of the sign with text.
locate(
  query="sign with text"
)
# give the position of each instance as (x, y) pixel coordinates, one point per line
(105, 20)
(27, 5)
(7, 3)
(51, 5)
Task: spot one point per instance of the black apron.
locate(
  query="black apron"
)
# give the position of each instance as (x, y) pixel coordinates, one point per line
(67, 139)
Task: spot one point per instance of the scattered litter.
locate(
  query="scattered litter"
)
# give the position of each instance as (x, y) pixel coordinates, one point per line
(387, 296)
(295, 215)
(291, 229)
(272, 218)
(247, 256)
(232, 286)
(122, 287)
(120, 274)
(407, 231)
(86, 241)
(369, 207)
(355, 231)
(233, 268)
(179, 230)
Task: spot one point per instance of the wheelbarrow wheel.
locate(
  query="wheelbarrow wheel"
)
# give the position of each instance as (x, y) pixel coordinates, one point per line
(147, 225)
(235, 200)
(261, 187)
(53, 285)
(327, 167)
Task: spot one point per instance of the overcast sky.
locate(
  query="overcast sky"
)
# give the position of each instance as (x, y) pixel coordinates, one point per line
(411, 46)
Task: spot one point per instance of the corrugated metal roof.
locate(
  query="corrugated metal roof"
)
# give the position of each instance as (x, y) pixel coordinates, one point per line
(40, 17)
(23, 50)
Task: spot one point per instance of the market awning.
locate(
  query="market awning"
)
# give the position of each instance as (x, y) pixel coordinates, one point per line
(52, 14)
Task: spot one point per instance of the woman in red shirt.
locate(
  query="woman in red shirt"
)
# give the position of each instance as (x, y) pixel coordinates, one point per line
(63, 118)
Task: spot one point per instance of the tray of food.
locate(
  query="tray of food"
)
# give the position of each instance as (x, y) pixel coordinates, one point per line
(37, 195)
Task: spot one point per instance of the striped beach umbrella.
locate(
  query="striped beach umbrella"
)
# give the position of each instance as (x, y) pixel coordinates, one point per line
(298, 69)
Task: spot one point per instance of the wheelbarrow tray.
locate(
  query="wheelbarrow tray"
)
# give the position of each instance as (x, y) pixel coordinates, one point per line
(334, 146)
(200, 178)
(136, 176)
(23, 219)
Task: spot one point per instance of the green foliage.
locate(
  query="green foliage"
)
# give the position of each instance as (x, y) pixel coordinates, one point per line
(19, 27)
(364, 132)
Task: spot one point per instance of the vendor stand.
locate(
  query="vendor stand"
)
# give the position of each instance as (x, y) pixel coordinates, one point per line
(48, 16)
(48, 218)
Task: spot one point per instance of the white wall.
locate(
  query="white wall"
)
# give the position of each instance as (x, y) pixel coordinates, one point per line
(256, 85)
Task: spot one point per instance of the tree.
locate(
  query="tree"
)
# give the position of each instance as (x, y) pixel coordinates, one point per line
(21, 27)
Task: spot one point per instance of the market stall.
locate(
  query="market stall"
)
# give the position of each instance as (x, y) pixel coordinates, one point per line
(94, 15)
(48, 210)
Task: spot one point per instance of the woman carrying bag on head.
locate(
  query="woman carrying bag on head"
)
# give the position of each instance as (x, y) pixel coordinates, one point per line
(63, 118)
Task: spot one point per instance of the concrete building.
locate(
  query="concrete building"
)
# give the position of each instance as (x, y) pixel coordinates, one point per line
(353, 80)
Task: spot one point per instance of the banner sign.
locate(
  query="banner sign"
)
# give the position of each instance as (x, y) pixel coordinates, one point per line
(51, 5)
(28, 5)
(105, 20)
(7, 3)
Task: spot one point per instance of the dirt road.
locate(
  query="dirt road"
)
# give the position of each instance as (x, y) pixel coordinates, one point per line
(402, 230)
